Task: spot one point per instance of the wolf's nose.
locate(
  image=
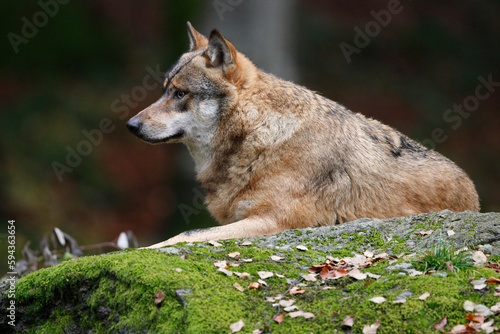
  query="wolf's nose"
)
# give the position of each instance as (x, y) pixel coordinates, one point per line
(134, 126)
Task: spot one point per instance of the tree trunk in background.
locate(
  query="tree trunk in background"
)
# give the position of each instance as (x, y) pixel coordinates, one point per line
(261, 29)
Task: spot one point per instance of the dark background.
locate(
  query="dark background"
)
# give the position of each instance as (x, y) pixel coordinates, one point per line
(82, 62)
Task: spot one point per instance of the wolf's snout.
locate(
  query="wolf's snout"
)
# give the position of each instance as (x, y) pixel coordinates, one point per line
(134, 125)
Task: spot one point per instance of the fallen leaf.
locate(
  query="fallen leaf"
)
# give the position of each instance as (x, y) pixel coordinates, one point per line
(215, 243)
(440, 324)
(424, 296)
(262, 282)
(237, 326)
(243, 275)
(449, 266)
(495, 308)
(450, 233)
(220, 264)
(458, 329)
(246, 243)
(246, 260)
(258, 331)
(296, 291)
(238, 287)
(479, 256)
(416, 273)
(279, 318)
(159, 296)
(309, 278)
(356, 260)
(254, 285)
(373, 275)
(280, 276)
(179, 270)
(479, 286)
(302, 248)
(276, 257)
(378, 300)
(399, 301)
(348, 321)
(469, 306)
(265, 274)
(426, 232)
(355, 273)
(296, 314)
(492, 280)
(482, 310)
(367, 253)
(474, 318)
(291, 308)
(308, 315)
(371, 329)
(225, 271)
(234, 254)
(286, 303)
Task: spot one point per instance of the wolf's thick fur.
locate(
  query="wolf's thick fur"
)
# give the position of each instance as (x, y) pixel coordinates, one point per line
(273, 155)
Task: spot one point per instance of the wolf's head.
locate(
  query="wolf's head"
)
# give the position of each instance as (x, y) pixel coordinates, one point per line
(197, 90)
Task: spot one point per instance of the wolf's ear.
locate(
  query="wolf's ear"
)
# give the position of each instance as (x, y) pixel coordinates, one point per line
(220, 51)
(196, 40)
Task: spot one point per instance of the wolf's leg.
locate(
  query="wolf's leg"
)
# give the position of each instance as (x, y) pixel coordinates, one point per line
(249, 227)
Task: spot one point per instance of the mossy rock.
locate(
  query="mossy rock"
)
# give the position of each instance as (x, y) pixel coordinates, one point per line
(116, 292)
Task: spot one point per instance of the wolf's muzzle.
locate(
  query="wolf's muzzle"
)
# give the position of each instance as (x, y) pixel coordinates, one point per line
(134, 125)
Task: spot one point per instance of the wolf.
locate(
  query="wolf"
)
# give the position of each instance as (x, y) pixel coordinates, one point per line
(273, 155)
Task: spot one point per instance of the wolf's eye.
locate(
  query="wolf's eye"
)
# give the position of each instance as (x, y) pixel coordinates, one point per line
(179, 94)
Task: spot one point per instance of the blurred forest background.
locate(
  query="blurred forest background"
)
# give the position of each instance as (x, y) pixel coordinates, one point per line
(90, 58)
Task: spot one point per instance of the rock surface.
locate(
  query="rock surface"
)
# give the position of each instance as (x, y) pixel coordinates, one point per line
(116, 292)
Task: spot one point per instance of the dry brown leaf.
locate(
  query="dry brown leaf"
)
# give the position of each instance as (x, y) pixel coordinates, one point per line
(377, 300)
(426, 232)
(458, 329)
(309, 278)
(348, 321)
(215, 243)
(424, 295)
(246, 260)
(302, 248)
(276, 257)
(291, 308)
(234, 254)
(286, 303)
(265, 274)
(243, 275)
(373, 275)
(254, 285)
(262, 282)
(159, 296)
(355, 273)
(440, 324)
(474, 318)
(367, 253)
(179, 270)
(479, 257)
(225, 271)
(469, 306)
(450, 233)
(220, 264)
(492, 280)
(296, 291)
(371, 329)
(238, 287)
(246, 243)
(296, 314)
(279, 318)
(399, 301)
(449, 266)
(237, 326)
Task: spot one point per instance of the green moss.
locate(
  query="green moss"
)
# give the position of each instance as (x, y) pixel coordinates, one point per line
(116, 292)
